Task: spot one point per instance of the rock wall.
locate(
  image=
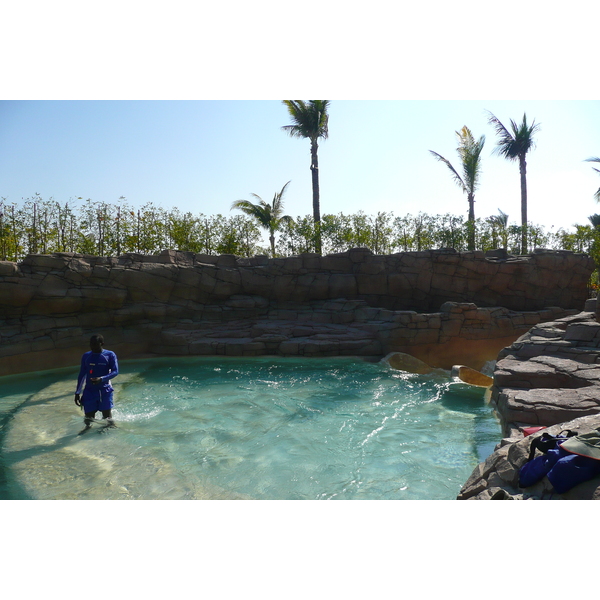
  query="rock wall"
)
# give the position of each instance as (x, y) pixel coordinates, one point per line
(440, 306)
(551, 374)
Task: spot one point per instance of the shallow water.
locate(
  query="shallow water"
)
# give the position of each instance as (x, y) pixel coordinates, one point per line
(256, 428)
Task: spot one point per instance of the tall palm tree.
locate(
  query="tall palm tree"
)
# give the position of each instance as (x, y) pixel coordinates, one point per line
(514, 145)
(597, 160)
(469, 152)
(269, 216)
(310, 120)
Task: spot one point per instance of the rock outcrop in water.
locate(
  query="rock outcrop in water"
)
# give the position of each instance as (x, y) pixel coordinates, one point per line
(444, 307)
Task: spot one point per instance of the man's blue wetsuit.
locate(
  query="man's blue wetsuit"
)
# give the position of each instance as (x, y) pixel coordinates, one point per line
(97, 396)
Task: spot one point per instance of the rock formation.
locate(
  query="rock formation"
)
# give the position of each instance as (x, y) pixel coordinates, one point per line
(441, 306)
(549, 377)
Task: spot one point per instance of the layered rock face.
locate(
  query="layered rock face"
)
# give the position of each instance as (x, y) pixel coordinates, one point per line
(551, 374)
(440, 306)
(549, 377)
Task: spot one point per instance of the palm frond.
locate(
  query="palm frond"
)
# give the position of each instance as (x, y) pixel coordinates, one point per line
(310, 119)
(524, 134)
(267, 215)
(515, 143)
(457, 178)
(593, 159)
(261, 212)
(500, 220)
(505, 137)
(470, 151)
(594, 220)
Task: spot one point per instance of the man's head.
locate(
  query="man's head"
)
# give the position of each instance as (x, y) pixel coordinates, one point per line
(96, 343)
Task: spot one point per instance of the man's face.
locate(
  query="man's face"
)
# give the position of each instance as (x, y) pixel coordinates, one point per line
(96, 347)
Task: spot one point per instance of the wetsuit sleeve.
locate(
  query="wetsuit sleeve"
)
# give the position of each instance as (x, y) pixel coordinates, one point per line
(113, 365)
(82, 374)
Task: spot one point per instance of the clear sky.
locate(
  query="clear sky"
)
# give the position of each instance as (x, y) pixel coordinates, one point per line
(202, 155)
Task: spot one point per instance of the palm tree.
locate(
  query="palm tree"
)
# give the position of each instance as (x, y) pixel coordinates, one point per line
(310, 120)
(597, 160)
(469, 152)
(594, 220)
(268, 215)
(501, 221)
(514, 145)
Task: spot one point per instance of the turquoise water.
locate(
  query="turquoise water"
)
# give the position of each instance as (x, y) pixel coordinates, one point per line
(256, 428)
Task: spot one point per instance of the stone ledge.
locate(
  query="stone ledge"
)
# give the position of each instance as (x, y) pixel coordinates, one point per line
(547, 380)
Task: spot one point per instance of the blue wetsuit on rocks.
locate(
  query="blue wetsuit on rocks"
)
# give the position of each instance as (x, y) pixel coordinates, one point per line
(97, 396)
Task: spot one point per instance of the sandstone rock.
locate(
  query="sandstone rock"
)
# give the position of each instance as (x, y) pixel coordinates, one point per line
(385, 302)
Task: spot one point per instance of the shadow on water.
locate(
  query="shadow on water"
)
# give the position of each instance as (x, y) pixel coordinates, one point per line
(27, 386)
(9, 492)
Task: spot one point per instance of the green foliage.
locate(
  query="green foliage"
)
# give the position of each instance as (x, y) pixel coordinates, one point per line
(515, 142)
(268, 216)
(310, 121)
(104, 229)
(469, 152)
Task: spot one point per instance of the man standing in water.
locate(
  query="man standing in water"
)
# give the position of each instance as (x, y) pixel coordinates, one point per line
(98, 367)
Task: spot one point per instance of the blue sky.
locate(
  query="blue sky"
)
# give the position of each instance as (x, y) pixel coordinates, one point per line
(202, 155)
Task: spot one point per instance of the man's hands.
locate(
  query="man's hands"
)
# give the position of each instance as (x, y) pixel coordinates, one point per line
(95, 381)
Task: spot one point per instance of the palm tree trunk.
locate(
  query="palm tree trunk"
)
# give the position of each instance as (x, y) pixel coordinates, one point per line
(471, 223)
(314, 168)
(523, 172)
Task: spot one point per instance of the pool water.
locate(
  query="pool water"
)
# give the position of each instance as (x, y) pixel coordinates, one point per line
(257, 428)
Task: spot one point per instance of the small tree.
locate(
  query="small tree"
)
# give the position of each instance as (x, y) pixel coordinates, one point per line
(469, 152)
(268, 216)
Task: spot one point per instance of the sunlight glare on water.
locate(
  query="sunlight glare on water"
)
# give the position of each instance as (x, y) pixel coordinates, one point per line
(256, 428)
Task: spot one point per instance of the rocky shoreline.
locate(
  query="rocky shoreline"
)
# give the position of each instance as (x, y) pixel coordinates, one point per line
(549, 377)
